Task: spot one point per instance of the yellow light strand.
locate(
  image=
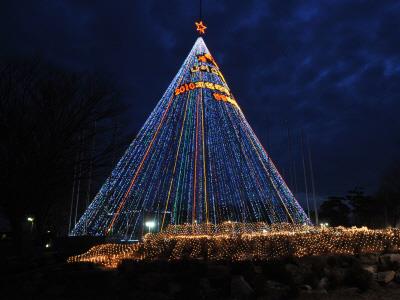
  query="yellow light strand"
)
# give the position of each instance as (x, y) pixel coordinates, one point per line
(204, 156)
(175, 163)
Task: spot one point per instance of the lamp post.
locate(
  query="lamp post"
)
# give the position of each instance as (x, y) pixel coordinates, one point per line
(324, 225)
(31, 220)
(150, 225)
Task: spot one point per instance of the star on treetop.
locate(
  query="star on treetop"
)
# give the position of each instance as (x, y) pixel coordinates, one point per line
(200, 27)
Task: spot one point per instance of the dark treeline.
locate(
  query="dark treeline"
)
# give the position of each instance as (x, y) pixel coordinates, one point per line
(57, 128)
(358, 209)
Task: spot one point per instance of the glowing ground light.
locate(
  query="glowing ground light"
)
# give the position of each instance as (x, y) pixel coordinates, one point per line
(150, 225)
(196, 160)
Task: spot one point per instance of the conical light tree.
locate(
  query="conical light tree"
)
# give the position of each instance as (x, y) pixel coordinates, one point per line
(195, 160)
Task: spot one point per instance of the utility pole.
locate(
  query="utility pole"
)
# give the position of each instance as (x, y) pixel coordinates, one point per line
(304, 172)
(312, 181)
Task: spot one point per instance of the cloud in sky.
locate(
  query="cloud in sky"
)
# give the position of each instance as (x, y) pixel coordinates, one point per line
(329, 68)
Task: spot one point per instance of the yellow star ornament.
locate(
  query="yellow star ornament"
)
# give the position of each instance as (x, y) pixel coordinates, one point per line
(200, 27)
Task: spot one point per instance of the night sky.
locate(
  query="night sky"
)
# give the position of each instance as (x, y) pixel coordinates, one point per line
(328, 68)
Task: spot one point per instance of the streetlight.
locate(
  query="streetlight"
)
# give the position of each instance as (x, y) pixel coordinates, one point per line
(324, 224)
(150, 225)
(31, 220)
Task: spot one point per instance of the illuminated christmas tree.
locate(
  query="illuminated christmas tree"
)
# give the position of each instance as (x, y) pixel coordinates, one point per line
(195, 160)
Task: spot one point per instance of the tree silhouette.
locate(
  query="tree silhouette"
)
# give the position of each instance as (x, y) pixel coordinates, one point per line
(48, 117)
(388, 196)
(335, 211)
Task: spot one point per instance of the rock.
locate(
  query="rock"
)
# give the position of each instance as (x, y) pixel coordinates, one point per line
(321, 291)
(275, 290)
(369, 259)
(219, 277)
(392, 285)
(394, 257)
(397, 277)
(258, 283)
(392, 249)
(296, 273)
(335, 275)
(151, 280)
(385, 277)
(375, 286)
(348, 291)
(305, 287)
(148, 295)
(323, 283)
(204, 284)
(370, 268)
(240, 288)
(313, 294)
(53, 292)
(174, 288)
(218, 271)
(389, 259)
(291, 268)
(206, 291)
(345, 264)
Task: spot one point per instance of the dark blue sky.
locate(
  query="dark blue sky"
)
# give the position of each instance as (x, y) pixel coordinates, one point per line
(329, 68)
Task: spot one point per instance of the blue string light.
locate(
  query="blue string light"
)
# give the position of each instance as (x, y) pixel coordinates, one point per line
(195, 160)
